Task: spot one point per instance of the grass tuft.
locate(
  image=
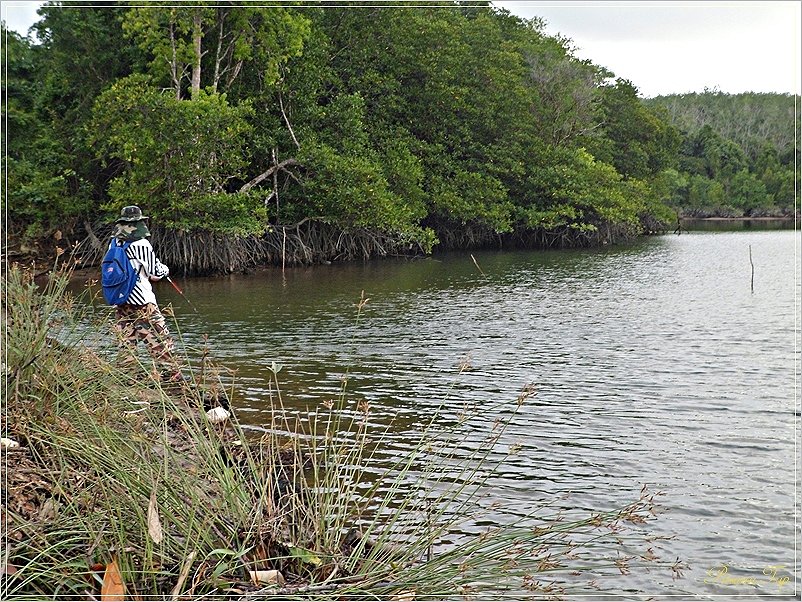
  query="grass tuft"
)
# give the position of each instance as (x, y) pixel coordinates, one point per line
(117, 473)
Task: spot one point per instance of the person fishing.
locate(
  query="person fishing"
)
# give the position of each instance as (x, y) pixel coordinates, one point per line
(138, 316)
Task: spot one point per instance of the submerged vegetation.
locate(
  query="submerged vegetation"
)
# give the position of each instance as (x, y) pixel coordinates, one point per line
(314, 132)
(121, 488)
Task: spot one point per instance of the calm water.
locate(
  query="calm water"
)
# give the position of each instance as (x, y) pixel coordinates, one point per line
(654, 363)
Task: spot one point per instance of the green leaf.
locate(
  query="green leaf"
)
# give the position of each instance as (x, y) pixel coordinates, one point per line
(304, 555)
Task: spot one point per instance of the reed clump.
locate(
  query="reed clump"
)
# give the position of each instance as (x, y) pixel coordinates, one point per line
(121, 488)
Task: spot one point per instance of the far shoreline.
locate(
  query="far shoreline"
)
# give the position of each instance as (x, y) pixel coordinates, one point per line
(88, 273)
(765, 218)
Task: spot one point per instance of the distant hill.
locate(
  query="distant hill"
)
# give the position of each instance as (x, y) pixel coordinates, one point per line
(748, 119)
(738, 155)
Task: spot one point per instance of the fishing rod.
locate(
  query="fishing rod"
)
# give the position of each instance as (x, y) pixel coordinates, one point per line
(180, 292)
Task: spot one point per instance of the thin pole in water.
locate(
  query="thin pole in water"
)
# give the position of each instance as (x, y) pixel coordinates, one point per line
(283, 248)
(477, 265)
(753, 269)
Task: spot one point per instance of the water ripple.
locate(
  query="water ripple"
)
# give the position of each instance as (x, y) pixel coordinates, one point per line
(654, 364)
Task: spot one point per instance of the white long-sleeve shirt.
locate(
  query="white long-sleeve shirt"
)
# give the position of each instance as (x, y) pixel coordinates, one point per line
(140, 254)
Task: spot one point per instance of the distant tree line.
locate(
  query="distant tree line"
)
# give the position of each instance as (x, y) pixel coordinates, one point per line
(256, 134)
(739, 156)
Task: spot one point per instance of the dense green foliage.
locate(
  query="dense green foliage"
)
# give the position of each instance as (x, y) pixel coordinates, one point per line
(455, 123)
(738, 155)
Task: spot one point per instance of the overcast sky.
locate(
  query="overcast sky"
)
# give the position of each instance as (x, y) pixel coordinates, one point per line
(662, 47)
(19, 15)
(677, 47)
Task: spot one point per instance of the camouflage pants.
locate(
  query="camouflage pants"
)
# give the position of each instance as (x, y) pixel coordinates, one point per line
(146, 323)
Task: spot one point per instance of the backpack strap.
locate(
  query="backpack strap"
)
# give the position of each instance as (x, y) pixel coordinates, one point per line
(139, 268)
(115, 242)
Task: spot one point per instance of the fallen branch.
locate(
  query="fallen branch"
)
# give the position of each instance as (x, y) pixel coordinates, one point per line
(264, 175)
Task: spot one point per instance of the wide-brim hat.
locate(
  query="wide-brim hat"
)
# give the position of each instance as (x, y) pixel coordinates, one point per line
(131, 213)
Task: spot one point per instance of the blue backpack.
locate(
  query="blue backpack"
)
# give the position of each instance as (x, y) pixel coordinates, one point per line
(117, 276)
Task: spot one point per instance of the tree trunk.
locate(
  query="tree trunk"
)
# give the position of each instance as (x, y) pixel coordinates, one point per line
(218, 57)
(174, 64)
(197, 34)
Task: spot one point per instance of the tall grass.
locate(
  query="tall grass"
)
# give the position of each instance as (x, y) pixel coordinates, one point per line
(114, 471)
